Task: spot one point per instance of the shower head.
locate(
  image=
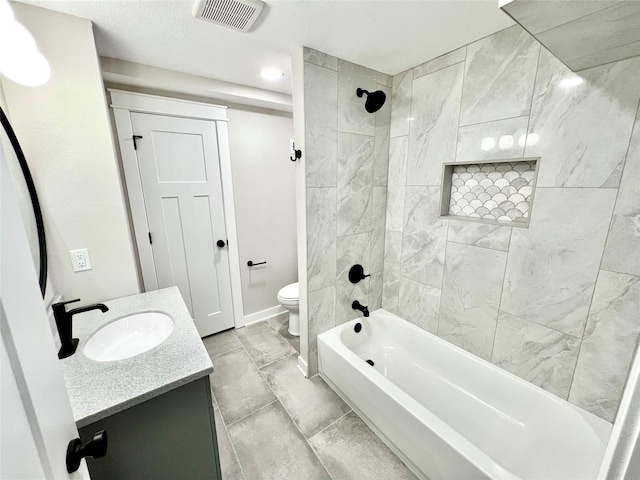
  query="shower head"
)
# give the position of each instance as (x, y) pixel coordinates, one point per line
(375, 100)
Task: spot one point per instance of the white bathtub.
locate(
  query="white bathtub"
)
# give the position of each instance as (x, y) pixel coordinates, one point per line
(451, 415)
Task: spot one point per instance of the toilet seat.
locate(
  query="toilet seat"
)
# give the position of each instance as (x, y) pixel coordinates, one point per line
(289, 293)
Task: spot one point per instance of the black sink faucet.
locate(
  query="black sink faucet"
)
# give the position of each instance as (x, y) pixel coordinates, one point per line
(363, 308)
(63, 322)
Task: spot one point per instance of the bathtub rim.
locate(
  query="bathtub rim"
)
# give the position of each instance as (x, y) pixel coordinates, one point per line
(591, 418)
(601, 428)
(467, 449)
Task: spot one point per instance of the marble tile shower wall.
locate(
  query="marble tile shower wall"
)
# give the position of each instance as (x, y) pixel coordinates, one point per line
(346, 170)
(555, 303)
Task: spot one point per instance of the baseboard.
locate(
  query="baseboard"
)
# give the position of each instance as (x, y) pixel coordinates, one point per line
(303, 367)
(263, 315)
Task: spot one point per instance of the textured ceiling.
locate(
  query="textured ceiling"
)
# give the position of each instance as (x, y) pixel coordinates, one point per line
(388, 36)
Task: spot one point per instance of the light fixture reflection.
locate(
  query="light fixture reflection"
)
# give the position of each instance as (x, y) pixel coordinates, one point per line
(572, 81)
(505, 142)
(6, 14)
(20, 59)
(272, 74)
(522, 139)
(31, 70)
(16, 38)
(530, 139)
(487, 144)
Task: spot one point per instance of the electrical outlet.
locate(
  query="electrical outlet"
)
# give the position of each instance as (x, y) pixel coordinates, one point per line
(80, 260)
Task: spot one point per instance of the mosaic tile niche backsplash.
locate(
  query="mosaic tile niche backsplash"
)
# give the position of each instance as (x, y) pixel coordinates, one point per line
(493, 192)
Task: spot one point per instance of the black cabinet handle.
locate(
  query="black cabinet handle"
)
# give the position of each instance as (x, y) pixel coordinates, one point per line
(96, 448)
(220, 243)
(253, 264)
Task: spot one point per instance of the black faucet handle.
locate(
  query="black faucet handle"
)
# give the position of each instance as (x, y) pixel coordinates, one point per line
(356, 305)
(62, 304)
(68, 344)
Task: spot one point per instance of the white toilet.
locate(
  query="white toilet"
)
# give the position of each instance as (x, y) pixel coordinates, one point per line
(289, 298)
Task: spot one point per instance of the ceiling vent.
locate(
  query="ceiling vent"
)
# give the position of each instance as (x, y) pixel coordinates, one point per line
(236, 14)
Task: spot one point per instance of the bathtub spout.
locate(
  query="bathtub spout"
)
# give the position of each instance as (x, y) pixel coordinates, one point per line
(363, 308)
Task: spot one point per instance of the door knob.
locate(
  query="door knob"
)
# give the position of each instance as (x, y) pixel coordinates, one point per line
(95, 448)
(220, 243)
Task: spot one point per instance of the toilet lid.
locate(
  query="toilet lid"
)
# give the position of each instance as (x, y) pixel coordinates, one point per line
(289, 292)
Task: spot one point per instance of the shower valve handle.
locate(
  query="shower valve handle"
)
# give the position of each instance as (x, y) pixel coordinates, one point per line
(356, 273)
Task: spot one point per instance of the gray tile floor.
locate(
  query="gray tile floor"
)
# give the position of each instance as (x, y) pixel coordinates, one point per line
(274, 424)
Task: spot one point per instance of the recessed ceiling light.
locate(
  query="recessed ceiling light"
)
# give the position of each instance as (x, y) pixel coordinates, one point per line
(272, 74)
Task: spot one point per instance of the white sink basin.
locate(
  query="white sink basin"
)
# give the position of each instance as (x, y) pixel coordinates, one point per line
(129, 336)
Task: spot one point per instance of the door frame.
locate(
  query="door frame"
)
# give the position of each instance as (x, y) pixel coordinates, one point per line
(37, 401)
(123, 104)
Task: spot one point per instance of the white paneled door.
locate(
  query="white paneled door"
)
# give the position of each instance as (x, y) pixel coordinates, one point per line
(179, 167)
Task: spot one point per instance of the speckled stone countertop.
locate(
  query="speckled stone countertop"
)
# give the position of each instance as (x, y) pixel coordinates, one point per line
(100, 389)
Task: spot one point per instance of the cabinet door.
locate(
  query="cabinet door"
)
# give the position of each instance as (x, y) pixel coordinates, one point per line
(170, 437)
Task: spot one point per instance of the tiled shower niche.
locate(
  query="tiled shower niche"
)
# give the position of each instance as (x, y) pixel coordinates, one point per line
(495, 192)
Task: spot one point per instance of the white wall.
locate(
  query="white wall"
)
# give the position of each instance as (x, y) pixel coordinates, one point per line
(65, 133)
(264, 187)
(24, 201)
(143, 76)
(264, 191)
(299, 125)
(68, 143)
(18, 180)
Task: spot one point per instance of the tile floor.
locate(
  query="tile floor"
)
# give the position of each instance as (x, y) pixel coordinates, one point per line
(272, 423)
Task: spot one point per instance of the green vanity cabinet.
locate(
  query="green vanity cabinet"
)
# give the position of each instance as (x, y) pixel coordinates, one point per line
(171, 436)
